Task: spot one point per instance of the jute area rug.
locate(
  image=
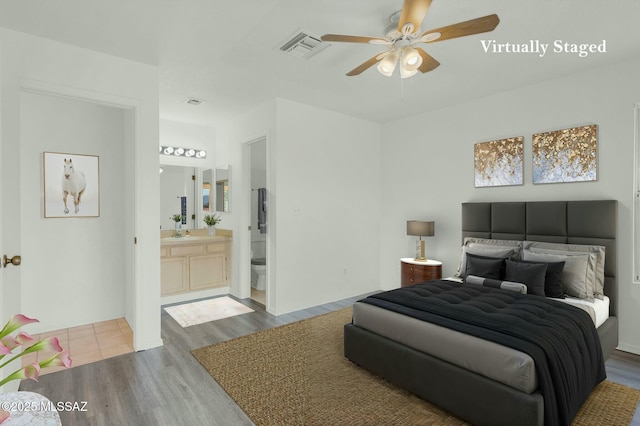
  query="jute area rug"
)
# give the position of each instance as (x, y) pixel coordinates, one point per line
(195, 313)
(297, 375)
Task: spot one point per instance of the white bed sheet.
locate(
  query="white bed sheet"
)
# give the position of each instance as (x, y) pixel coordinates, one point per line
(600, 307)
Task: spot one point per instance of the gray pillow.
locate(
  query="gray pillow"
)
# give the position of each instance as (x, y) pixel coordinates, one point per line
(597, 262)
(487, 282)
(577, 276)
(530, 274)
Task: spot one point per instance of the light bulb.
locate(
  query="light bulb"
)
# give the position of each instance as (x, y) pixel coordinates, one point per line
(179, 151)
(168, 150)
(411, 59)
(388, 64)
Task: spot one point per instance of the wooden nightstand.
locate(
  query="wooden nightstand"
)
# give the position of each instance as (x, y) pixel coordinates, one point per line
(417, 272)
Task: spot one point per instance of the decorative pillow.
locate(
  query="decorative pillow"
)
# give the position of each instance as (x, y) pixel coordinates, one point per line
(555, 248)
(552, 278)
(486, 267)
(505, 285)
(577, 276)
(512, 244)
(530, 274)
(485, 250)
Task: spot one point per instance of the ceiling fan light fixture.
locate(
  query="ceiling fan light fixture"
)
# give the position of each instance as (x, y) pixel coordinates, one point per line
(411, 59)
(430, 37)
(388, 64)
(404, 73)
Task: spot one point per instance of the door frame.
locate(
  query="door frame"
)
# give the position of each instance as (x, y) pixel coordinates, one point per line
(135, 307)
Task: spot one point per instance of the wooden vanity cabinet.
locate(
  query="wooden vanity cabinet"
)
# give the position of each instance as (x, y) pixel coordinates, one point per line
(195, 265)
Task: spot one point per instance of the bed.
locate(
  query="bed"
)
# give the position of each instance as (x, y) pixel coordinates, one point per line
(469, 391)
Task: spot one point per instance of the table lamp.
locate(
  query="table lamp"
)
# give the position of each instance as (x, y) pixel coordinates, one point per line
(420, 229)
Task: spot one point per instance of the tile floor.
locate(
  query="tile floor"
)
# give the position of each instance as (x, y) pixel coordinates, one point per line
(88, 343)
(259, 296)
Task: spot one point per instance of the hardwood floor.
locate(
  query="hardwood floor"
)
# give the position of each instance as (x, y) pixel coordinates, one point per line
(167, 386)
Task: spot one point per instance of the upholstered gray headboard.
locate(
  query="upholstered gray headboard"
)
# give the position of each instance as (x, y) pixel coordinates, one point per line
(572, 222)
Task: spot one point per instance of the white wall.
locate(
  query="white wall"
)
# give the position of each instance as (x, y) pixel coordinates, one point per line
(72, 257)
(232, 149)
(328, 199)
(323, 199)
(50, 67)
(188, 135)
(427, 167)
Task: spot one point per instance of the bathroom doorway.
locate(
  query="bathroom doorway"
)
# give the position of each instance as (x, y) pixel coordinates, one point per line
(259, 220)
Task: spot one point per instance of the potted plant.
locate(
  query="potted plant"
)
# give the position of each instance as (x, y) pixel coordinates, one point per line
(211, 220)
(177, 218)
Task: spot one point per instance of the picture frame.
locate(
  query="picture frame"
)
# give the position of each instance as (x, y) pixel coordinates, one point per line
(568, 155)
(71, 185)
(499, 162)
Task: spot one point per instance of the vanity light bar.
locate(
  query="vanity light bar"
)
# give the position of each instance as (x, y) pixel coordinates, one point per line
(183, 152)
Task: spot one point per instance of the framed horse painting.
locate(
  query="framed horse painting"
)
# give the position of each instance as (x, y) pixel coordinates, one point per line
(71, 185)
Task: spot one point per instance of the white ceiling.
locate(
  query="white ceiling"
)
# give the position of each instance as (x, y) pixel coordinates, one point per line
(225, 52)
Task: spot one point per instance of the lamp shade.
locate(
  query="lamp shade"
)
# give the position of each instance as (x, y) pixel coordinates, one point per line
(411, 59)
(420, 228)
(388, 63)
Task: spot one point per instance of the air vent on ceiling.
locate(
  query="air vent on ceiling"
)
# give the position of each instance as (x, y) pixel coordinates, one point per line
(302, 45)
(194, 101)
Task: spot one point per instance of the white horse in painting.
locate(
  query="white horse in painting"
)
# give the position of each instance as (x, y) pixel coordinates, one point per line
(74, 183)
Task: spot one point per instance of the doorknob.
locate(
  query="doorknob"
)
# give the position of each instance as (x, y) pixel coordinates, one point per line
(15, 260)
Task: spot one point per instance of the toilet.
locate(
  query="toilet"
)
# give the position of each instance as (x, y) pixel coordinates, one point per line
(258, 273)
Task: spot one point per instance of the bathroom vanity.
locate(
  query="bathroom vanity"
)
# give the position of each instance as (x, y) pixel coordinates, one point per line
(194, 263)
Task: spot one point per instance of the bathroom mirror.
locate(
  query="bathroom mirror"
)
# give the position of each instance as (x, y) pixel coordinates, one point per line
(207, 190)
(177, 182)
(223, 188)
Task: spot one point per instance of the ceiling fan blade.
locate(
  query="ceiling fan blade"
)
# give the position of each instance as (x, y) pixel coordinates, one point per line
(413, 12)
(461, 29)
(353, 39)
(366, 65)
(428, 61)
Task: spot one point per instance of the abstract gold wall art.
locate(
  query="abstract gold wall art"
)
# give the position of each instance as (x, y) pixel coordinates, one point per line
(499, 162)
(568, 155)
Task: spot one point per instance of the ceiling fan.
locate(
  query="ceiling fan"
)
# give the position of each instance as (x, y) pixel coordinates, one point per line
(401, 41)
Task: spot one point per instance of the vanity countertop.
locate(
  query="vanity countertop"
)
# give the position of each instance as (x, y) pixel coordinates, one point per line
(192, 239)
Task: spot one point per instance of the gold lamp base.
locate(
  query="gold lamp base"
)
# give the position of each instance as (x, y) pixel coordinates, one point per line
(420, 251)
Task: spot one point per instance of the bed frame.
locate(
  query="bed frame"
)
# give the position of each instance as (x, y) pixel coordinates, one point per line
(468, 395)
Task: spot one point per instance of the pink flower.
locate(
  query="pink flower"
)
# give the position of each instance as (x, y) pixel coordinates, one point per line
(12, 342)
(4, 415)
(24, 338)
(29, 372)
(48, 344)
(58, 360)
(4, 350)
(14, 323)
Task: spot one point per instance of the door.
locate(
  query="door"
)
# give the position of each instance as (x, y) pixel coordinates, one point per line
(10, 278)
